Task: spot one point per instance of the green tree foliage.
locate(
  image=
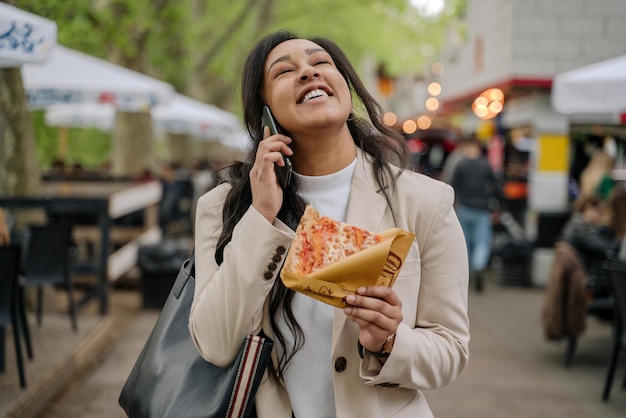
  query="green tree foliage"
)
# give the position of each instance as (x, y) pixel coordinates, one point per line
(199, 45)
(390, 31)
(179, 40)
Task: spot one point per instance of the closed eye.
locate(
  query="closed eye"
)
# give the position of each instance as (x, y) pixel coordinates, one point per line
(282, 70)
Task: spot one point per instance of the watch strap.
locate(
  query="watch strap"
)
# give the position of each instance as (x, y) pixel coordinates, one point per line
(384, 352)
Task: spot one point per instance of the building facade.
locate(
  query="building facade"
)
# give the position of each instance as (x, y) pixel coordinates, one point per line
(518, 46)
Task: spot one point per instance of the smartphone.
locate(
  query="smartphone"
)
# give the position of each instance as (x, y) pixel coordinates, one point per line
(283, 173)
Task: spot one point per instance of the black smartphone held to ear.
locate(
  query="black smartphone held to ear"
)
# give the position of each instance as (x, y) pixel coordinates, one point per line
(283, 173)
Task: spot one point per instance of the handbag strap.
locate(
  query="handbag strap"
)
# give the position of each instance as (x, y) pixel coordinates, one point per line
(192, 263)
(187, 272)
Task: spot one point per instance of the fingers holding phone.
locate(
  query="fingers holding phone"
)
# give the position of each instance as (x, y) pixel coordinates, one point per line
(283, 171)
(284, 140)
(267, 192)
(278, 146)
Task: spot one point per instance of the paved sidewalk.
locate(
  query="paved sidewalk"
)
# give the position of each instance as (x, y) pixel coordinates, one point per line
(61, 356)
(513, 371)
(96, 395)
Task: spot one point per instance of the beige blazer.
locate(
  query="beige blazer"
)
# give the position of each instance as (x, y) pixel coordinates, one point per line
(431, 346)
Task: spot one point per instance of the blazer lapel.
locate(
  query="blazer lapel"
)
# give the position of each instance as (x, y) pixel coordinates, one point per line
(366, 209)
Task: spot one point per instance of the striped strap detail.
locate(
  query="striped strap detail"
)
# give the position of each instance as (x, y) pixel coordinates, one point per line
(245, 377)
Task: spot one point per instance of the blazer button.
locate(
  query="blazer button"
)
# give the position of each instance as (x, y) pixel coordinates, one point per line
(276, 258)
(268, 275)
(281, 250)
(272, 266)
(340, 364)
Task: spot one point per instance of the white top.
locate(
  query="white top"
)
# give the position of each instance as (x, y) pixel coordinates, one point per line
(328, 194)
(309, 375)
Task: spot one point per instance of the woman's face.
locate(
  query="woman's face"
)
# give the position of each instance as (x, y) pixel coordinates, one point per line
(304, 88)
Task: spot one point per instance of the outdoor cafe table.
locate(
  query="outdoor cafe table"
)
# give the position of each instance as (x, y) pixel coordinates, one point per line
(106, 201)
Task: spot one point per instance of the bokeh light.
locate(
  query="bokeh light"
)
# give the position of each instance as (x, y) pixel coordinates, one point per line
(436, 68)
(432, 104)
(409, 126)
(489, 103)
(390, 119)
(434, 88)
(423, 122)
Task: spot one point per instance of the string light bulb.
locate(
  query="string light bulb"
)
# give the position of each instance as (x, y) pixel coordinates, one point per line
(489, 103)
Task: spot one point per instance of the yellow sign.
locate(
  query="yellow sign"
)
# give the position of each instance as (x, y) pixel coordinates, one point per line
(553, 153)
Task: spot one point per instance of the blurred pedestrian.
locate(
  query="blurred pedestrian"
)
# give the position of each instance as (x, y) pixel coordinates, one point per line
(202, 178)
(451, 161)
(145, 176)
(57, 170)
(5, 233)
(478, 196)
(374, 357)
(617, 218)
(595, 179)
(175, 205)
(590, 233)
(76, 171)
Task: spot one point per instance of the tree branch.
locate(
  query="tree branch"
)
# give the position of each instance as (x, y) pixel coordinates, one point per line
(213, 50)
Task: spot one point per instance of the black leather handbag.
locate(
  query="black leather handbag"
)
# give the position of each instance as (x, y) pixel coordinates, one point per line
(171, 379)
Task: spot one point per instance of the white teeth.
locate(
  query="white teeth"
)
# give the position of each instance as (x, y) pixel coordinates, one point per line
(312, 94)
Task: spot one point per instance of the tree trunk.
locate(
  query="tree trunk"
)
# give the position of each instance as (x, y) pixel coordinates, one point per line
(133, 144)
(217, 153)
(179, 149)
(19, 172)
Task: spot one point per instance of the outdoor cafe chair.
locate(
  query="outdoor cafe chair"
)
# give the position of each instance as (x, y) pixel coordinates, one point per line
(566, 305)
(601, 308)
(47, 262)
(617, 274)
(17, 240)
(11, 310)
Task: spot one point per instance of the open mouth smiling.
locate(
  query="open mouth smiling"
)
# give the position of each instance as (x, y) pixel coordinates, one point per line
(314, 94)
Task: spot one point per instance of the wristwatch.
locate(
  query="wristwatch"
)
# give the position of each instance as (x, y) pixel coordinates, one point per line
(385, 351)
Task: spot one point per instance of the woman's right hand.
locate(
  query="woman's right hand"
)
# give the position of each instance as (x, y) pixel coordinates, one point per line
(267, 195)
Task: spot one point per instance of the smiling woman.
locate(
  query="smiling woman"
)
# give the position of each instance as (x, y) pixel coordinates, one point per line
(375, 356)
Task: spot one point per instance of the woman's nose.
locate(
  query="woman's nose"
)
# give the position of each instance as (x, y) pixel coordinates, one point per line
(309, 73)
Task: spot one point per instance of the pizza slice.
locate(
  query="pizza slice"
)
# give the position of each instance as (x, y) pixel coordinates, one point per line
(321, 241)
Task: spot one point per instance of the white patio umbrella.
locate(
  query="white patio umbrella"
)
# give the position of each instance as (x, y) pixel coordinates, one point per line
(182, 115)
(71, 76)
(598, 88)
(81, 115)
(24, 37)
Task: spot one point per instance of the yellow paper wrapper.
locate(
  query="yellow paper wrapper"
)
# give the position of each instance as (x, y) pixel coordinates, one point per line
(375, 266)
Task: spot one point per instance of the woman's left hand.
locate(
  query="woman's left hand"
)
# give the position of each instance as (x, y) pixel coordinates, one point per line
(377, 310)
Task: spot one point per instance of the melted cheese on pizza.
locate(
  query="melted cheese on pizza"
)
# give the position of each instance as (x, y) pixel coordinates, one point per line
(321, 241)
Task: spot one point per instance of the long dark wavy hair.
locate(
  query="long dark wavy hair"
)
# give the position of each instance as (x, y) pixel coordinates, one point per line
(371, 135)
